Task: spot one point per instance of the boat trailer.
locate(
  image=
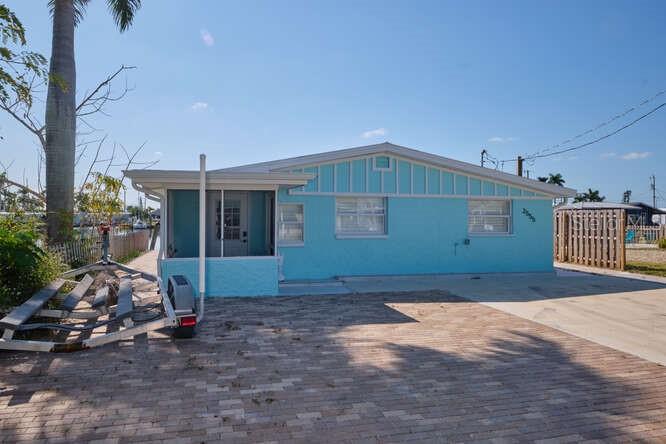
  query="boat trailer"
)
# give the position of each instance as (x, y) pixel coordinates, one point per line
(175, 308)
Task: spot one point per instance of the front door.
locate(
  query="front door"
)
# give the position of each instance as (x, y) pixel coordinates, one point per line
(235, 223)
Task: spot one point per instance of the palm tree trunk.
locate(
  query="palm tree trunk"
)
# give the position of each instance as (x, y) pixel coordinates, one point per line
(60, 125)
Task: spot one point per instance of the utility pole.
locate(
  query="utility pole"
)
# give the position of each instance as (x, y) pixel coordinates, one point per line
(653, 187)
(520, 165)
(483, 156)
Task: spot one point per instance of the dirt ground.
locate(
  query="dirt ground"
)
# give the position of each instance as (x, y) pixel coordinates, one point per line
(655, 255)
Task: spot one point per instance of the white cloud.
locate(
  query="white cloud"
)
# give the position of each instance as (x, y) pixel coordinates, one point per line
(607, 155)
(499, 139)
(199, 106)
(158, 153)
(374, 133)
(633, 155)
(207, 38)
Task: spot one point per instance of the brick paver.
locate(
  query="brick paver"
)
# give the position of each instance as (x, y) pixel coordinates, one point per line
(378, 368)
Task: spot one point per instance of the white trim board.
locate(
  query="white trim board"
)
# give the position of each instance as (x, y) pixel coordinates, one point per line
(430, 196)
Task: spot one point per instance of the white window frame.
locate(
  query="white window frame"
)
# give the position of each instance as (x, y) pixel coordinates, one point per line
(361, 234)
(508, 216)
(376, 168)
(287, 242)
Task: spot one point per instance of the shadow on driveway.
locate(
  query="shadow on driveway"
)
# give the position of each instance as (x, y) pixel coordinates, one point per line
(369, 367)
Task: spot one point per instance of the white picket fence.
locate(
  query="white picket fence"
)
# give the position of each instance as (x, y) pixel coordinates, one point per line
(89, 250)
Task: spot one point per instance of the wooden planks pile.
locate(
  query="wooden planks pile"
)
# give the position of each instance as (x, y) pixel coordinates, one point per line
(590, 237)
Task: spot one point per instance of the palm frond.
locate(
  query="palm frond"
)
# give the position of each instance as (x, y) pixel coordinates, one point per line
(123, 12)
(79, 9)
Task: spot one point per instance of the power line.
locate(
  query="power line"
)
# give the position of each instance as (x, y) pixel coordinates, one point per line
(601, 125)
(599, 139)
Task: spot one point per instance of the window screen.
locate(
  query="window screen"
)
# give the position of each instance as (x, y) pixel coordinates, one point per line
(360, 216)
(290, 223)
(489, 216)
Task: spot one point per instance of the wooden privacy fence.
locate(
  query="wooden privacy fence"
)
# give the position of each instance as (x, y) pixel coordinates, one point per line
(590, 237)
(89, 250)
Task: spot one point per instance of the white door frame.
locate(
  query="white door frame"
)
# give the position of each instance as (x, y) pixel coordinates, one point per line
(241, 248)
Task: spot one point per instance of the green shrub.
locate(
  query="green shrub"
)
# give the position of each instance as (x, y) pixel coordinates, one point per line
(25, 267)
(662, 242)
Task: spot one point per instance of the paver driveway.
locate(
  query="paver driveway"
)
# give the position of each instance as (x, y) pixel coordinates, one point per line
(380, 368)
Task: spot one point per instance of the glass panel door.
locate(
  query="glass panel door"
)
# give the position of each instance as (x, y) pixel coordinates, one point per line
(235, 223)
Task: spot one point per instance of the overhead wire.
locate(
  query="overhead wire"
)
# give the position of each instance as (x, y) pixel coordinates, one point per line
(598, 139)
(601, 125)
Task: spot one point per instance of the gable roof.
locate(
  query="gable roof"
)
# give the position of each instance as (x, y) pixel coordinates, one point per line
(408, 153)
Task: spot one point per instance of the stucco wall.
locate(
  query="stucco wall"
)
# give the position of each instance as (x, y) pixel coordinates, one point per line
(425, 235)
(238, 276)
(183, 223)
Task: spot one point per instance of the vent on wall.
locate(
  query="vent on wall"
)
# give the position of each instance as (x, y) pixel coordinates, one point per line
(381, 163)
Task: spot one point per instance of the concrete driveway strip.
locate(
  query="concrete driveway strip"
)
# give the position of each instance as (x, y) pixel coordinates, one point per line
(626, 314)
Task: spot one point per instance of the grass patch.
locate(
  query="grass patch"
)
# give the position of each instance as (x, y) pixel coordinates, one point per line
(655, 269)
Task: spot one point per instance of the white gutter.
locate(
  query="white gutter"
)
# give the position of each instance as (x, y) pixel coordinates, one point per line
(202, 235)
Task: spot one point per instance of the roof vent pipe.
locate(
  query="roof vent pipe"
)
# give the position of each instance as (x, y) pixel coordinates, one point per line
(202, 234)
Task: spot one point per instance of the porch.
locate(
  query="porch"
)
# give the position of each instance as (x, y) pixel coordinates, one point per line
(239, 240)
(218, 228)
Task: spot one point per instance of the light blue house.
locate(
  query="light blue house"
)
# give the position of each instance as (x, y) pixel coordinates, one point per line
(374, 210)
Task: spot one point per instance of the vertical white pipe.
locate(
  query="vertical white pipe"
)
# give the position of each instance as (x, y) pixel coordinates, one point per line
(275, 222)
(222, 222)
(202, 234)
(163, 230)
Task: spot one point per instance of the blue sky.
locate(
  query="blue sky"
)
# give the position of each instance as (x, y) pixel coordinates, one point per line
(253, 81)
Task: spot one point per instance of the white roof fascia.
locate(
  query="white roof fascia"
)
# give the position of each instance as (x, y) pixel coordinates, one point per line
(156, 181)
(215, 177)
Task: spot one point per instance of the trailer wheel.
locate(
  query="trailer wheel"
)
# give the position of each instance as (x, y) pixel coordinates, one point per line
(183, 332)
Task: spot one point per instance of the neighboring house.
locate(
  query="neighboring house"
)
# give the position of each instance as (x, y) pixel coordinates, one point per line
(660, 219)
(637, 213)
(374, 210)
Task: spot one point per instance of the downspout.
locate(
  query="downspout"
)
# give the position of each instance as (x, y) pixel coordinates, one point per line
(202, 234)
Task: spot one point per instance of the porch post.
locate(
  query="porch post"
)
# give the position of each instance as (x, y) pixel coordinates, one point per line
(222, 222)
(163, 229)
(275, 223)
(202, 234)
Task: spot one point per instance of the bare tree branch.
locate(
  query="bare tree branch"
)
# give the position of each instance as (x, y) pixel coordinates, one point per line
(96, 99)
(4, 180)
(26, 121)
(92, 164)
(93, 102)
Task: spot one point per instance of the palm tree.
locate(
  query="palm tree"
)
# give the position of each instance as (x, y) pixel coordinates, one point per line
(60, 118)
(589, 196)
(555, 179)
